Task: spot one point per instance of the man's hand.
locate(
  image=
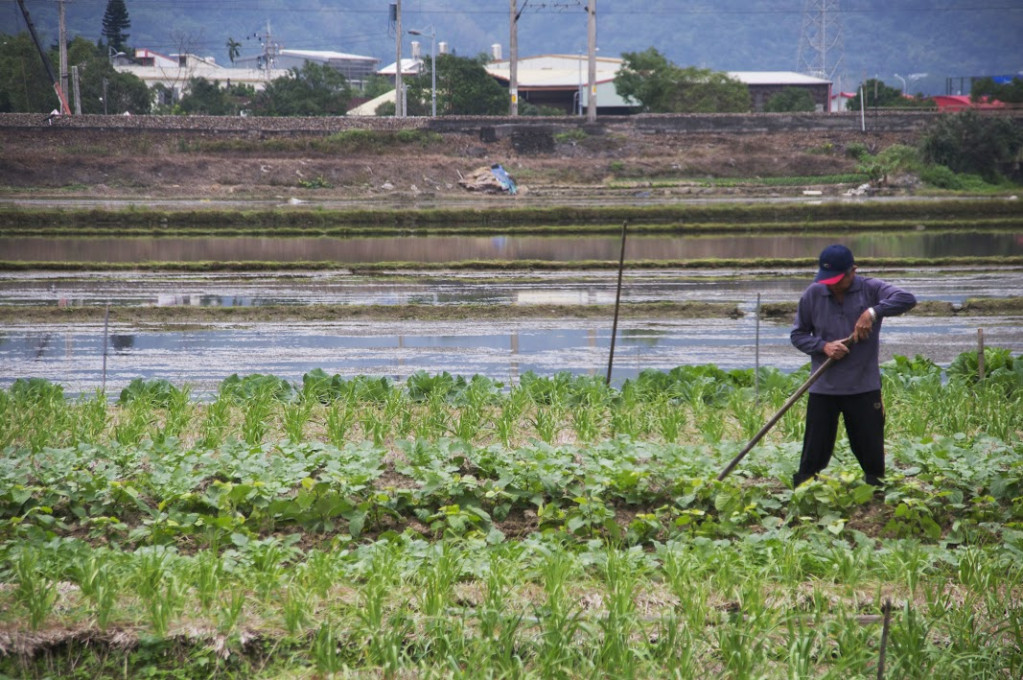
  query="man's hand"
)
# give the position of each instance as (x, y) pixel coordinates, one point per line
(864, 324)
(836, 349)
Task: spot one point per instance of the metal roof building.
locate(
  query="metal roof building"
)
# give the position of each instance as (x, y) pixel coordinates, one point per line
(561, 81)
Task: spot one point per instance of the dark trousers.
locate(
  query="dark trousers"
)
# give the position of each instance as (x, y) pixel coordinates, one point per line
(864, 423)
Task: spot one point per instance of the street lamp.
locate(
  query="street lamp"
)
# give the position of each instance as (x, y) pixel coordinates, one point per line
(433, 66)
(903, 83)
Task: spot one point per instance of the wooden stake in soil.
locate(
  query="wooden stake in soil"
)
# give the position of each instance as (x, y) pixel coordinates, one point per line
(756, 357)
(618, 300)
(884, 638)
(980, 353)
(106, 326)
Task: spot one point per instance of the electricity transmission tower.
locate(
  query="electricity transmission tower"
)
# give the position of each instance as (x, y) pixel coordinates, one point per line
(820, 43)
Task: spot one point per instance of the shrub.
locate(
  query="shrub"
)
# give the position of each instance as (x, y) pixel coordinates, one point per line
(969, 142)
(941, 177)
(790, 99)
(856, 150)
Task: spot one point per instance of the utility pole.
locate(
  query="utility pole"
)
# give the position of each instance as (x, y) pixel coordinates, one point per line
(62, 19)
(513, 61)
(591, 38)
(64, 109)
(399, 93)
(270, 51)
(77, 90)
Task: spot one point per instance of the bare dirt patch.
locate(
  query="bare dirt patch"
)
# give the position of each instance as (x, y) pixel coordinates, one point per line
(102, 163)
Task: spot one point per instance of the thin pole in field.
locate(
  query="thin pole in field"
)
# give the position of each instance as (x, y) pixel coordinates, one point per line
(756, 357)
(980, 353)
(618, 299)
(884, 638)
(106, 326)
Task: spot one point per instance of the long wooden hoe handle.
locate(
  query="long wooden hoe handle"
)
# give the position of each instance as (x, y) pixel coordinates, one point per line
(777, 416)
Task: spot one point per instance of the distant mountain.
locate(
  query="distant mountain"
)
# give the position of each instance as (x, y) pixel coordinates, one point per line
(941, 38)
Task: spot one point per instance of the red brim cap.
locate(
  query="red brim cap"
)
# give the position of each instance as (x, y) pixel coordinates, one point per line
(832, 280)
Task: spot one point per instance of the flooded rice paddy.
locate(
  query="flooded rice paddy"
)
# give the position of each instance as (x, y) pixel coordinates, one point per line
(76, 355)
(86, 356)
(432, 249)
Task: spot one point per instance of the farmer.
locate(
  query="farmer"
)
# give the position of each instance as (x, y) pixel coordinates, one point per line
(838, 305)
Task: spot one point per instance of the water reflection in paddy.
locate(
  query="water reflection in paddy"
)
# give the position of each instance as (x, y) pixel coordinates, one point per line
(911, 244)
(454, 288)
(73, 355)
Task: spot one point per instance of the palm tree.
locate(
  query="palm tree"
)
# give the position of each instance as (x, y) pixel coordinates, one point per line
(233, 49)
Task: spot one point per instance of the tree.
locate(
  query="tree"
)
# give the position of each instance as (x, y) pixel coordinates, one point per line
(1011, 92)
(122, 91)
(313, 90)
(206, 97)
(464, 88)
(790, 99)
(968, 142)
(660, 86)
(376, 85)
(24, 84)
(233, 49)
(879, 95)
(115, 23)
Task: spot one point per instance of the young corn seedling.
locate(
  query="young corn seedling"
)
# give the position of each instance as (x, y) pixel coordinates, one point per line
(325, 649)
(296, 607)
(620, 624)
(296, 415)
(340, 418)
(179, 414)
(232, 608)
(215, 422)
(136, 419)
(258, 410)
(547, 422)
(207, 572)
(92, 417)
(671, 419)
(95, 578)
(35, 592)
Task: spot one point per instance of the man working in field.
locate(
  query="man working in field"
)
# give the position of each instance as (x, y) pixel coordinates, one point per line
(837, 306)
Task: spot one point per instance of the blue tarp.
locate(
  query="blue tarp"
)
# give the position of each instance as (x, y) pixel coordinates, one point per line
(502, 177)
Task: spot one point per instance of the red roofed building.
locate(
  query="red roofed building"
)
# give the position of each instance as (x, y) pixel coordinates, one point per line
(961, 102)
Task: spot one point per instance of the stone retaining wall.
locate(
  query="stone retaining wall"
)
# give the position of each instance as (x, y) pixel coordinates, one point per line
(495, 127)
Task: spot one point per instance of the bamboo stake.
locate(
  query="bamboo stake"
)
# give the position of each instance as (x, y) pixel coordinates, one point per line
(884, 639)
(618, 300)
(980, 353)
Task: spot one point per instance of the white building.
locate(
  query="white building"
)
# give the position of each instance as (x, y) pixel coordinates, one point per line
(356, 68)
(173, 72)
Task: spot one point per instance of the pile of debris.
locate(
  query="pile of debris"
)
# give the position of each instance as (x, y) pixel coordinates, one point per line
(492, 179)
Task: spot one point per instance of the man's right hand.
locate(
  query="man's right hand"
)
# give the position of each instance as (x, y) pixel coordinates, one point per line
(836, 349)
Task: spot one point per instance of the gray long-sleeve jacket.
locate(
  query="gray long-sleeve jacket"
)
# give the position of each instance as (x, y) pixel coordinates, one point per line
(821, 319)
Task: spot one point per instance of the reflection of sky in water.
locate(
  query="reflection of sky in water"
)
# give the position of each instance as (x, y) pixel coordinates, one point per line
(919, 244)
(448, 288)
(503, 350)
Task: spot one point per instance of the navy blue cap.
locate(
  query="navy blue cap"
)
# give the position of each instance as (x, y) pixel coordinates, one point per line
(835, 261)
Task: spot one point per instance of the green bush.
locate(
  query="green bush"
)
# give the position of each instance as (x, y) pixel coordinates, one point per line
(856, 150)
(970, 143)
(941, 177)
(790, 99)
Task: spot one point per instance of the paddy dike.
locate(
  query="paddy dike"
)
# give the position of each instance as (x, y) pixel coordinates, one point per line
(97, 158)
